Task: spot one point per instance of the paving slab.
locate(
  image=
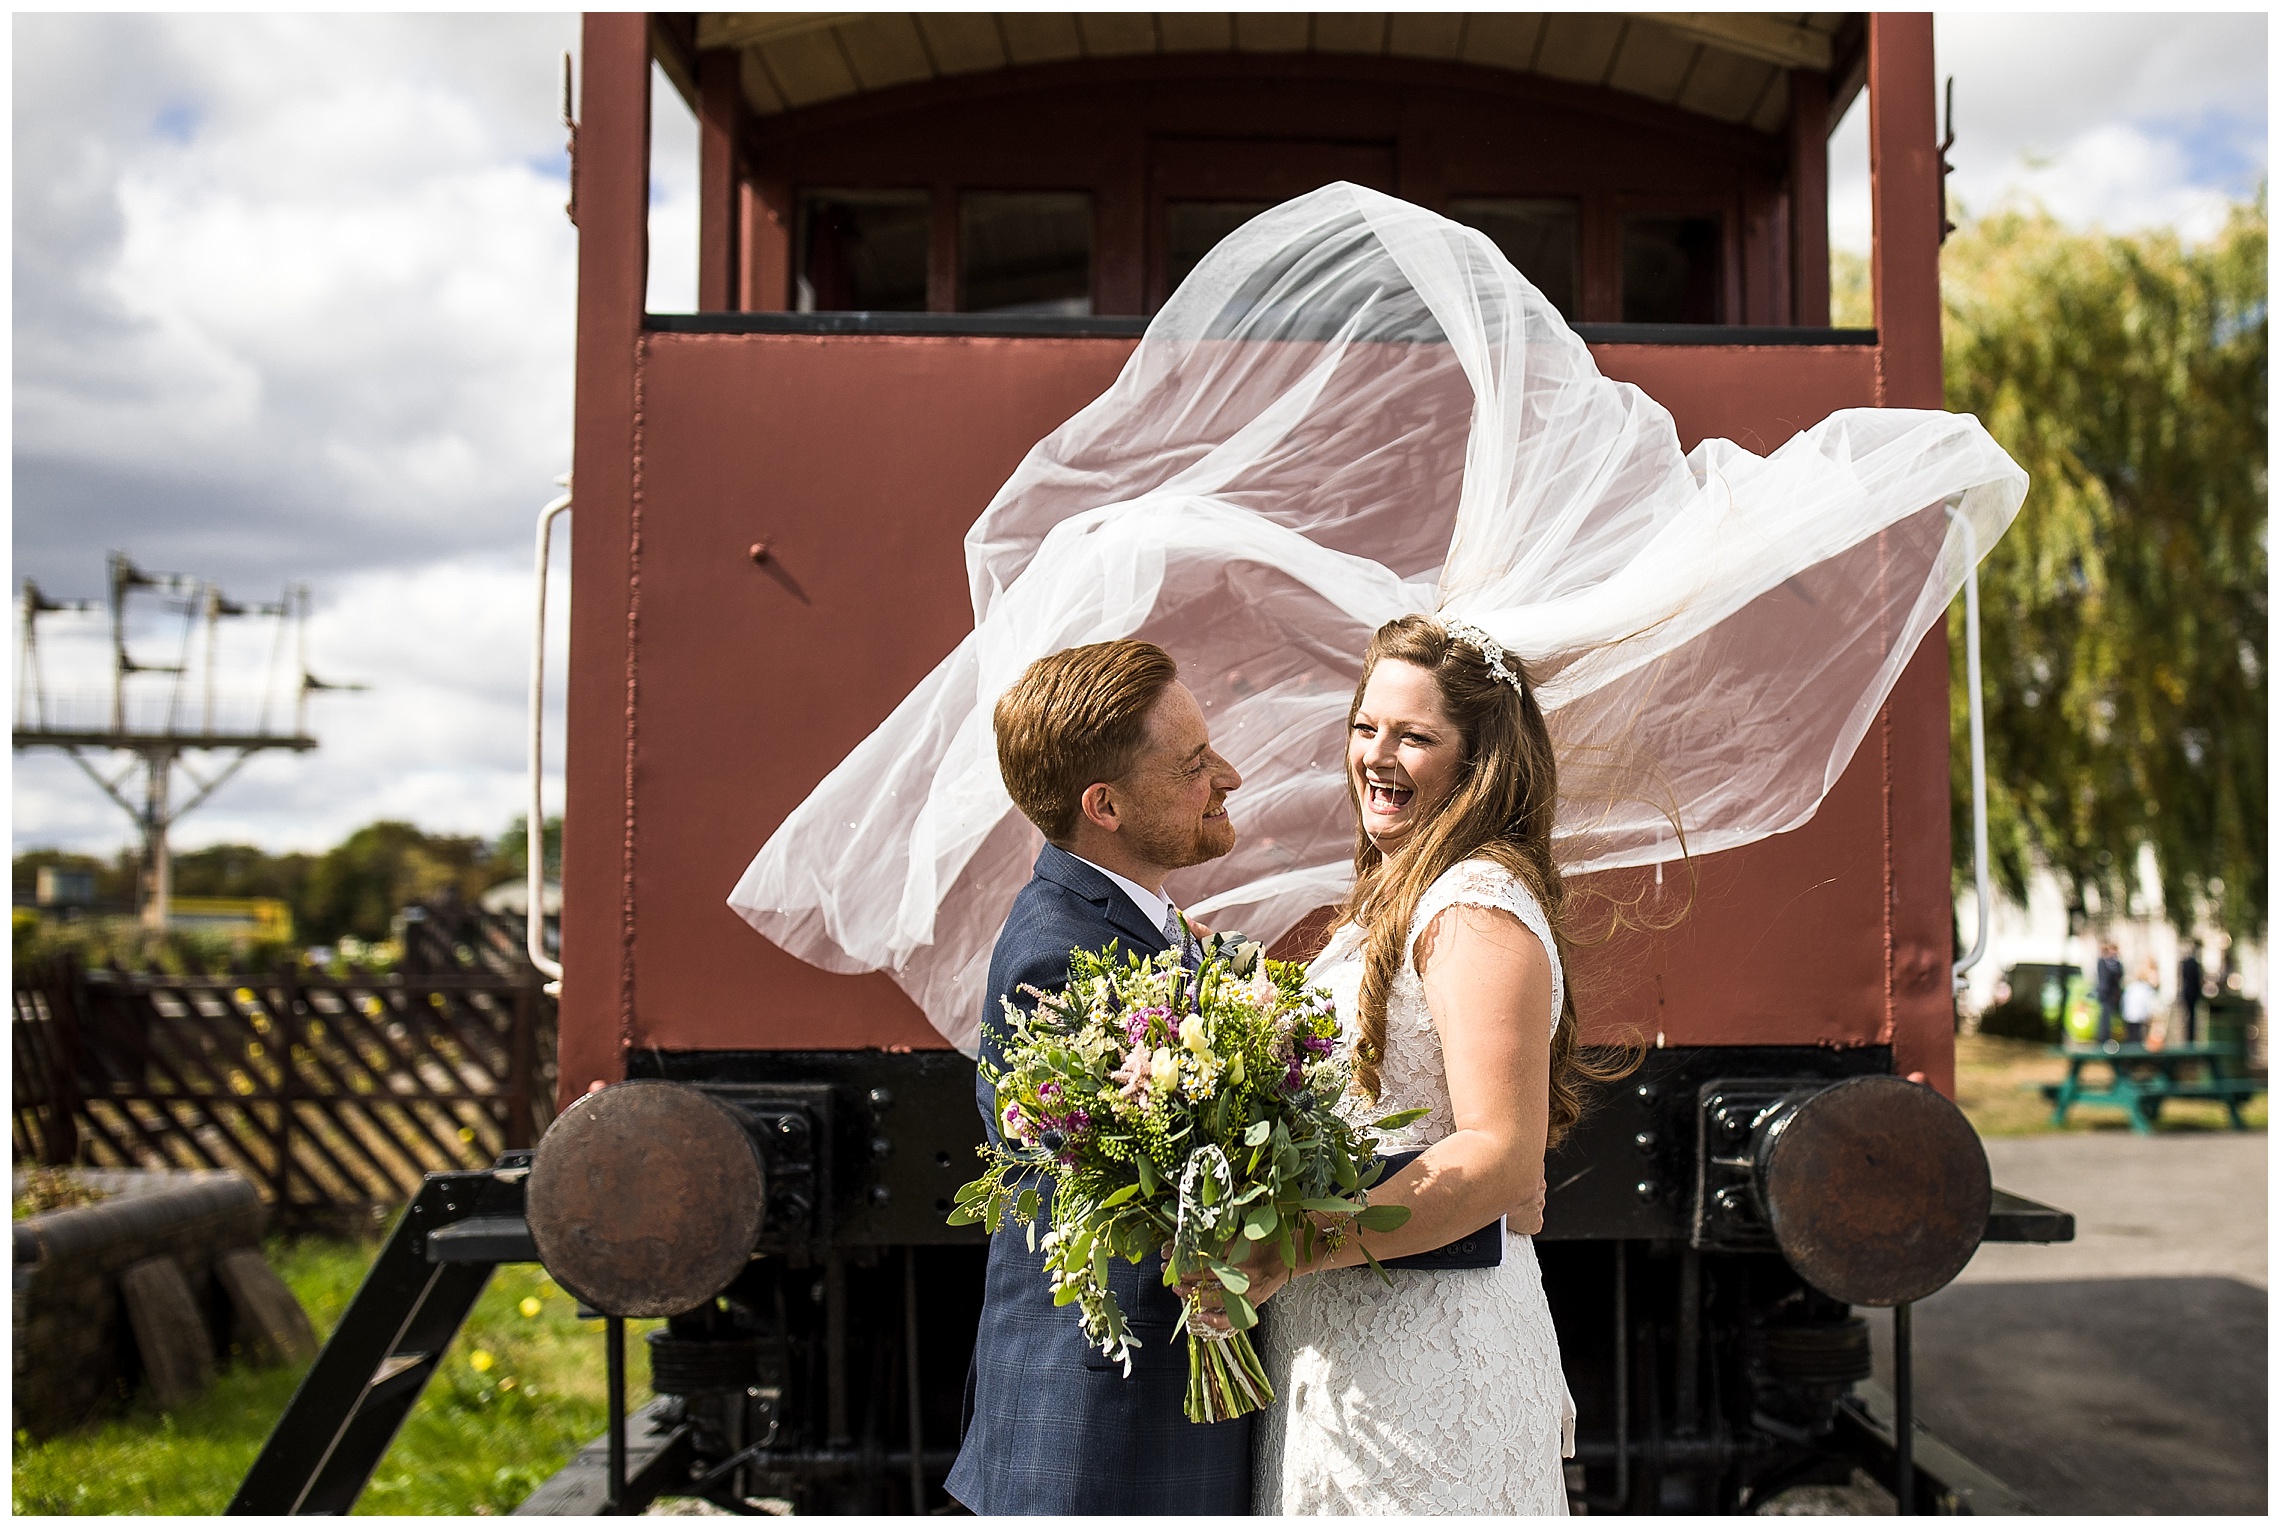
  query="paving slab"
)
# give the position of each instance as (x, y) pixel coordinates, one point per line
(2125, 1372)
(2144, 1206)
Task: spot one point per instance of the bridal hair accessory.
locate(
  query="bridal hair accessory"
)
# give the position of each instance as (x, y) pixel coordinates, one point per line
(1465, 631)
(1354, 410)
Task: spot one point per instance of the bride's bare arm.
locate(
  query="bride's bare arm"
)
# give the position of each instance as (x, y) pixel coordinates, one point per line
(1488, 983)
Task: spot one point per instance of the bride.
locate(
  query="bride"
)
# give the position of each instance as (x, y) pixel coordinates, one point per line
(1443, 1393)
(1356, 417)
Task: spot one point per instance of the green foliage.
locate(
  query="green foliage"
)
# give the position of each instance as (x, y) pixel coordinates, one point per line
(358, 888)
(349, 893)
(1190, 1112)
(515, 1396)
(509, 855)
(122, 943)
(2124, 616)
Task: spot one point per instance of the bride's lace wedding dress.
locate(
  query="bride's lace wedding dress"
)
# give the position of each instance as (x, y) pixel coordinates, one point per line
(1442, 1394)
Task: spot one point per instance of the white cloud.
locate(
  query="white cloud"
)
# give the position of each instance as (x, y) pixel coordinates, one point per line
(437, 739)
(320, 315)
(2116, 121)
(294, 298)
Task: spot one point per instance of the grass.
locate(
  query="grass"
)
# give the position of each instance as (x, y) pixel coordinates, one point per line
(1997, 1083)
(520, 1391)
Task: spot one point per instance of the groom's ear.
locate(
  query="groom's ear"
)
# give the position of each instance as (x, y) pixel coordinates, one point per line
(1098, 806)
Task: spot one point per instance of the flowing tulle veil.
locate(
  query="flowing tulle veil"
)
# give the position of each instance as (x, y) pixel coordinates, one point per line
(1355, 409)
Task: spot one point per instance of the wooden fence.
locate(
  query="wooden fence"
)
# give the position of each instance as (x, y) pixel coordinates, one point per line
(332, 1094)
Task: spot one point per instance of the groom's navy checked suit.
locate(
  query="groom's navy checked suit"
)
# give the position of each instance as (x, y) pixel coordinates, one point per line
(1052, 1426)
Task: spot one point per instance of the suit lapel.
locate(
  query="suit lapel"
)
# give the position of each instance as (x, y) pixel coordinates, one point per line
(1059, 866)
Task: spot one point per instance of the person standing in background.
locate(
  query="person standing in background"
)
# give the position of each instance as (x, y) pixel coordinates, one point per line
(2109, 985)
(2141, 1000)
(2189, 990)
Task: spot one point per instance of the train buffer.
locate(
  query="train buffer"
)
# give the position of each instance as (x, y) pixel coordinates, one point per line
(2141, 1080)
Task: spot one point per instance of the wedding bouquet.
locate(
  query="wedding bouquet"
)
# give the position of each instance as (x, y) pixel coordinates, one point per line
(1188, 1110)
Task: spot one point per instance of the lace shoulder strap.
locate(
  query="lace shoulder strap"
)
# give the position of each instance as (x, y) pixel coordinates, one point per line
(1484, 883)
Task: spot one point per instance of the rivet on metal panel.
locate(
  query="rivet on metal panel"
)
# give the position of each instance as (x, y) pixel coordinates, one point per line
(1646, 1190)
(881, 1146)
(880, 1193)
(758, 551)
(881, 1100)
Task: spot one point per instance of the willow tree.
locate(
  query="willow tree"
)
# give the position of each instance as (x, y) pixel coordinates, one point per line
(2124, 616)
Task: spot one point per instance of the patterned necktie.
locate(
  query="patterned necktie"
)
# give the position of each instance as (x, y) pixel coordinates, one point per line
(1176, 935)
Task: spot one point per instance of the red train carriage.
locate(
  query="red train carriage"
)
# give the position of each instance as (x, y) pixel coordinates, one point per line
(927, 240)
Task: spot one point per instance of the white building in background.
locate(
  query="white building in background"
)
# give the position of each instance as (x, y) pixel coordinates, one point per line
(2040, 932)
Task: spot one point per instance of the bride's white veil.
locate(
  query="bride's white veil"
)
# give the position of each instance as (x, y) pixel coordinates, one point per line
(1354, 409)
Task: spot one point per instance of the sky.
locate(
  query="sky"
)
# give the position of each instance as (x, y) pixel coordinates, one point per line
(294, 303)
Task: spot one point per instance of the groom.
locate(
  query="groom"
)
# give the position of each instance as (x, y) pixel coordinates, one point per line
(1107, 753)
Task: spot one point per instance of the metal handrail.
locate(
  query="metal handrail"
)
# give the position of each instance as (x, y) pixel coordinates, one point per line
(1978, 741)
(534, 835)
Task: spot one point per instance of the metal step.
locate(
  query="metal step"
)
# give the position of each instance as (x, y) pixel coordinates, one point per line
(349, 1406)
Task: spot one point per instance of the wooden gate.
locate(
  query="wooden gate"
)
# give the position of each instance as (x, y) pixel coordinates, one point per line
(331, 1093)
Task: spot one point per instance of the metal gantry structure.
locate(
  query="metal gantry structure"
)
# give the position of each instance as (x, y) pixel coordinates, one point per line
(157, 727)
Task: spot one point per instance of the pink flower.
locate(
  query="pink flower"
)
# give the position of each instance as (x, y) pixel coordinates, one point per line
(1133, 1075)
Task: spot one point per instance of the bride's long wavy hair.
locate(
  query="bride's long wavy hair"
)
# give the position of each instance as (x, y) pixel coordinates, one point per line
(1501, 809)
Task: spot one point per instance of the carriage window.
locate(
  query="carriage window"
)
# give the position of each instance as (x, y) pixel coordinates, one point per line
(863, 251)
(1673, 270)
(1025, 252)
(1539, 237)
(1192, 228)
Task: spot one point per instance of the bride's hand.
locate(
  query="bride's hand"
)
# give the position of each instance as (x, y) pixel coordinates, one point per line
(1268, 1273)
(1527, 1218)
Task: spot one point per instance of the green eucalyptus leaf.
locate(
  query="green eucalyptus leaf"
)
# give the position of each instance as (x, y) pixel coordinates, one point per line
(1258, 1132)
(1383, 1217)
(1399, 1118)
(1241, 1314)
(1231, 1278)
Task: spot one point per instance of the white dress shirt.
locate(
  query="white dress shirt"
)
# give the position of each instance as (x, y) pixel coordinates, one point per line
(1153, 906)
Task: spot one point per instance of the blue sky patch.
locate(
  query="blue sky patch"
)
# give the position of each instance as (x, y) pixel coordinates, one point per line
(2222, 148)
(177, 121)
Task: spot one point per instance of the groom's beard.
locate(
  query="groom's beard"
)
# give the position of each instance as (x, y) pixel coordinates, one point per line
(1177, 845)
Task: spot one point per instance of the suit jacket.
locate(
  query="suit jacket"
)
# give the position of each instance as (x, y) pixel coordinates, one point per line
(1051, 1425)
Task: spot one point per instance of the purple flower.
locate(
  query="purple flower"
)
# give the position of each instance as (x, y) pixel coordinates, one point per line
(1050, 1093)
(1137, 1022)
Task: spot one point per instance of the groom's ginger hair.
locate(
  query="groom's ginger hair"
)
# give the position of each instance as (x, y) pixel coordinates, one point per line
(1076, 718)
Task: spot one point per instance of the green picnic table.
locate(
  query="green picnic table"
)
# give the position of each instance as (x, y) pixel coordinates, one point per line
(2142, 1080)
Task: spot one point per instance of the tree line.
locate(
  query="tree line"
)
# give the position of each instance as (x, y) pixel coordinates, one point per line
(354, 889)
(2125, 617)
